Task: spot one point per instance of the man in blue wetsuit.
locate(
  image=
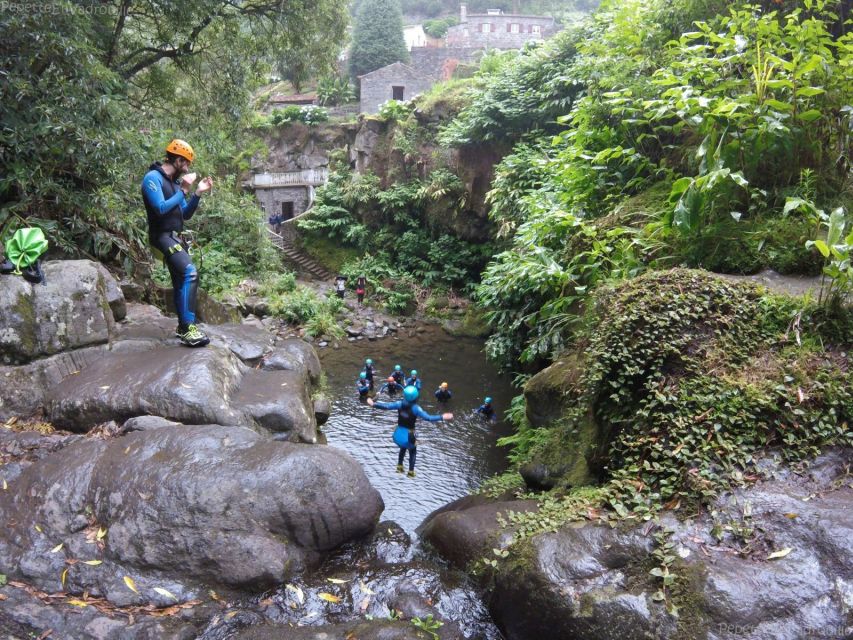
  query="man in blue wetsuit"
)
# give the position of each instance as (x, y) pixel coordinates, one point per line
(443, 393)
(166, 204)
(363, 385)
(408, 412)
(391, 387)
(369, 371)
(413, 380)
(487, 410)
(399, 376)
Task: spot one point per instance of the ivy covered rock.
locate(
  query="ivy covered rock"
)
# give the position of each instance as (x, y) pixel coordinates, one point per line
(680, 377)
(771, 560)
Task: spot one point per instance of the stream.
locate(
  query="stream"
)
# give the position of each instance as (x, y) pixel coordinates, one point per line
(454, 457)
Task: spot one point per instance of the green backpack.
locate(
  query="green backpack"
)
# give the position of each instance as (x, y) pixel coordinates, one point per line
(23, 250)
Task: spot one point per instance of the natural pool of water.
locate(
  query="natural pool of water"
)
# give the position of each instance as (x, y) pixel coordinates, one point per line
(454, 457)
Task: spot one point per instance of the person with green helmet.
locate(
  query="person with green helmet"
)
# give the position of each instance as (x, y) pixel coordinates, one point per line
(398, 375)
(487, 410)
(362, 385)
(369, 371)
(413, 380)
(408, 411)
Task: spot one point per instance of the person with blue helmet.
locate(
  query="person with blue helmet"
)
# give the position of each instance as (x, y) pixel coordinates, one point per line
(165, 188)
(408, 411)
(443, 393)
(391, 387)
(369, 371)
(487, 410)
(362, 385)
(399, 376)
(413, 380)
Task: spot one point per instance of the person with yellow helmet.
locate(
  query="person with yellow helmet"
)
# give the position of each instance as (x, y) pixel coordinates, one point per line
(443, 394)
(164, 191)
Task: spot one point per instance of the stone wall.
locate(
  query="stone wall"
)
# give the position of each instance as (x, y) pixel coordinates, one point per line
(432, 61)
(271, 199)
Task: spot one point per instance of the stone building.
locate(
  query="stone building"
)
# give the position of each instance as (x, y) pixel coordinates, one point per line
(497, 30)
(400, 81)
(396, 81)
(464, 42)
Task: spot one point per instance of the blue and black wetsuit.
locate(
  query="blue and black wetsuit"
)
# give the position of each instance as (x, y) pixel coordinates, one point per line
(487, 411)
(398, 376)
(414, 382)
(443, 395)
(391, 388)
(363, 387)
(368, 369)
(404, 434)
(167, 208)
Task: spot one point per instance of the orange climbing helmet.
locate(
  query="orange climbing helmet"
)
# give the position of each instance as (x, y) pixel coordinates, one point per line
(180, 148)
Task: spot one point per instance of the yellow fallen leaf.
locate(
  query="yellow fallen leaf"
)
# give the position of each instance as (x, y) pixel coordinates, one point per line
(165, 592)
(365, 589)
(57, 548)
(105, 387)
(95, 563)
(126, 451)
(328, 597)
(130, 584)
(63, 576)
(5, 485)
(37, 528)
(337, 581)
(230, 615)
(791, 516)
(101, 533)
(780, 554)
(77, 603)
(299, 595)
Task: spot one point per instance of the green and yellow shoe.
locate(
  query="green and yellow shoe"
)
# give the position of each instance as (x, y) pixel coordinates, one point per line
(192, 336)
(411, 473)
(399, 468)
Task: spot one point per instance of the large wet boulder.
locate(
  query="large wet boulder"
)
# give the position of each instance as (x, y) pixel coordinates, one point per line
(72, 309)
(179, 508)
(293, 354)
(590, 580)
(190, 386)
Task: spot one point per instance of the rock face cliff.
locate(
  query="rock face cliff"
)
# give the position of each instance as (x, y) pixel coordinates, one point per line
(385, 148)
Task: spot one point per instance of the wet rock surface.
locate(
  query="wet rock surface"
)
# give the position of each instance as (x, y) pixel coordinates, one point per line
(591, 581)
(72, 309)
(179, 508)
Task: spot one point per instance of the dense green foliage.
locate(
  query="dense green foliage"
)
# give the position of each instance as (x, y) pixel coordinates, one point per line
(377, 38)
(392, 228)
(714, 127)
(335, 90)
(92, 91)
(437, 27)
(691, 378)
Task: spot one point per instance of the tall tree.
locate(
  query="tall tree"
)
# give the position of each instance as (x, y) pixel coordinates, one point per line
(89, 87)
(377, 38)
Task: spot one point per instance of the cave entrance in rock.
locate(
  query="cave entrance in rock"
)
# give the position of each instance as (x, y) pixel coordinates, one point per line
(286, 210)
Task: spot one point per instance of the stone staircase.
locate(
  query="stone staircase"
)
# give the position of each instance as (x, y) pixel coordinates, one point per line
(298, 259)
